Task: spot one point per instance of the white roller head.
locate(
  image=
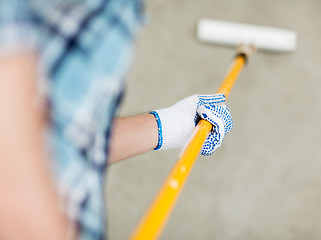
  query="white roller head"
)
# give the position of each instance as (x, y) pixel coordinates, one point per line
(264, 38)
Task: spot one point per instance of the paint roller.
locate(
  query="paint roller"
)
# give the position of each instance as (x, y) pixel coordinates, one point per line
(234, 34)
(247, 38)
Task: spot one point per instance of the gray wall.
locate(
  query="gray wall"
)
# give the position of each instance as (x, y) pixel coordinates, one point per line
(265, 181)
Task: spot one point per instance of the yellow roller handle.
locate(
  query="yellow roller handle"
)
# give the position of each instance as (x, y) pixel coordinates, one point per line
(154, 220)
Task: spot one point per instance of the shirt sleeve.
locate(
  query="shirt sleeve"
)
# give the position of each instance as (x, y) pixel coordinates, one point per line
(16, 32)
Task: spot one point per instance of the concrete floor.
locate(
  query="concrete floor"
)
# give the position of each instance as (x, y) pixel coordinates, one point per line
(265, 181)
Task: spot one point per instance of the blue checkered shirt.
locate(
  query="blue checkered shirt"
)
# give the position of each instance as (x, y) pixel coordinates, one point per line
(85, 49)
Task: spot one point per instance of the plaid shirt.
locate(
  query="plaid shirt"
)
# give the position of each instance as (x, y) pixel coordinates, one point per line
(85, 49)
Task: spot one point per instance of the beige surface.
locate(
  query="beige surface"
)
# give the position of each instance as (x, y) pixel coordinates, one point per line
(265, 182)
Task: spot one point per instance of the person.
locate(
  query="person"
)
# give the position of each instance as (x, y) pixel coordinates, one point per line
(63, 65)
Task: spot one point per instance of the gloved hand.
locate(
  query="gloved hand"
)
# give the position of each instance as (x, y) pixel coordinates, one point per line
(176, 123)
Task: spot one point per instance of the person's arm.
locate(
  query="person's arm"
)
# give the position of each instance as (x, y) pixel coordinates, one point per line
(132, 136)
(171, 127)
(28, 200)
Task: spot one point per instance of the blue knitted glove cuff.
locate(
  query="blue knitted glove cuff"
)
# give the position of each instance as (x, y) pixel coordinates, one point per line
(159, 125)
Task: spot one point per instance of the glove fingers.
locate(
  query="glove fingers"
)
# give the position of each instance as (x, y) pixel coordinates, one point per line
(221, 119)
(220, 111)
(212, 143)
(211, 99)
(228, 119)
(213, 114)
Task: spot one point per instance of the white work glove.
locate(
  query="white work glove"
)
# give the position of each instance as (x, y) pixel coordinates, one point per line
(176, 123)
